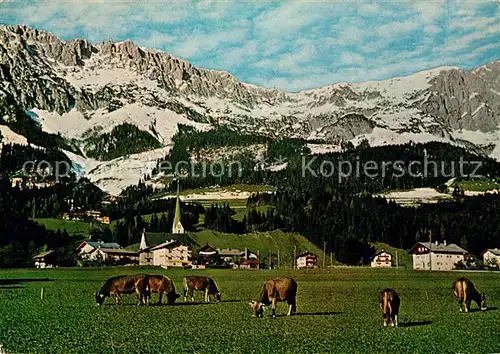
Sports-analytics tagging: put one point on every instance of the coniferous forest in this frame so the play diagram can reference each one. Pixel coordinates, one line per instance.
(324, 198)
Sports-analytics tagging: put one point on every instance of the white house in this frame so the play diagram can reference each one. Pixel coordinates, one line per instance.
(87, 249)
(492, 255)
(120, 255)
(172, 253)
(442, 255)
(45, 259)
(306, 260)
(382, 260)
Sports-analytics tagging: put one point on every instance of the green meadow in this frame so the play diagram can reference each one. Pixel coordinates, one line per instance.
(337, 312)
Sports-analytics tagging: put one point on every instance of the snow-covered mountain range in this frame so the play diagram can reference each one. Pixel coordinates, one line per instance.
(73, 87)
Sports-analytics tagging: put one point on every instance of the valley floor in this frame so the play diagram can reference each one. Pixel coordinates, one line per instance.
(338, 312)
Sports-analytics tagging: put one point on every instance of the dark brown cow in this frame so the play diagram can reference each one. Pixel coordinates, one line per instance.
(466, 292)
(205, 284)
(124, 284)
(160, 284)
(279, 289)
(389, 304)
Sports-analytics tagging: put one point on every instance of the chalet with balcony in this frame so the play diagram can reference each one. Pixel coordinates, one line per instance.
(306, 260)
(382, 259)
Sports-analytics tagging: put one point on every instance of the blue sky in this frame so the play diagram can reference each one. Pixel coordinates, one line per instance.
(290, 45)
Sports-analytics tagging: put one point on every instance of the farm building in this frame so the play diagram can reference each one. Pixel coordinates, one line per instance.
(235, 256)
(171, 253)
(381, 260)
(208, 255)
(442, 255)
(86, 248)
(249, 264)
(119, 255)
(45, 259)
(492, 256)
(306, 260)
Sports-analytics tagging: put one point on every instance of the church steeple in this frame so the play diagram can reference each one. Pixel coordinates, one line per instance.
(143, 244)
(177, 227)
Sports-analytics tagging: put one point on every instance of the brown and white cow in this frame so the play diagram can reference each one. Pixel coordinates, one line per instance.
(124, 284)
(274, 290)
(389, 304)
(465, 292)
(163, 285)
(198, 283)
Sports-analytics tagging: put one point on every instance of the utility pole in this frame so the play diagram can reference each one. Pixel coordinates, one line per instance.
(331, 259)
(324, 254)
(270, 256)
(278, 258)
(430, 251)
(294, 260)
(397, 260)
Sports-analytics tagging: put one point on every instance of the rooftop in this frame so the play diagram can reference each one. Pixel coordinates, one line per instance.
(495, 251)
(99, 244)
(441, 247)
(117, 251)
(44, 254)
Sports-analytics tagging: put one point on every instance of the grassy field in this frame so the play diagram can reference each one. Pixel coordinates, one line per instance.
(479, 185)
(71, 226)
(338, 312)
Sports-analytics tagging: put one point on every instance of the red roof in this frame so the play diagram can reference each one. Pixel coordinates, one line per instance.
(250, 261)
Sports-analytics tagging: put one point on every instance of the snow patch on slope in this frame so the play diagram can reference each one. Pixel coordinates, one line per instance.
(115, 175)
(381, 136)
(10, 137)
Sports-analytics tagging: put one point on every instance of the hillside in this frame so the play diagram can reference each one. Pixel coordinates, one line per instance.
(258, 241)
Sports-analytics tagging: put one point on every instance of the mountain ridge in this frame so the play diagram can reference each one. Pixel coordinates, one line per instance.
(73, 86)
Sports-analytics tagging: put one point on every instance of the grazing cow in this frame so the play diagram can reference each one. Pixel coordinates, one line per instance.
(389, 304)
(124, 284)
(205, 284)
(160, 284)
(274, 290)
(466, 292)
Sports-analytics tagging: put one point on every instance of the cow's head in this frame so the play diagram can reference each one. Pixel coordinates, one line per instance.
(99, 297)
(171, 297)
(257, 308)
(217, 296)
(483, 302)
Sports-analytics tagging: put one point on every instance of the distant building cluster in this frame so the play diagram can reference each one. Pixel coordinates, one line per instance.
(88, 215)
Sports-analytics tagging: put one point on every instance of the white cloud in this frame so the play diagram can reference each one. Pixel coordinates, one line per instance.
(432, 29)
(429, 9)
(393, 29)
(458, 44)
(157, 40)
(351, 58)
(290, 17)
(198, 44)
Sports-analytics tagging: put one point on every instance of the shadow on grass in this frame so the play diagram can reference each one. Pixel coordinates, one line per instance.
(191, 303)
(299, 314)
(330, 313)
(11, 287)
(23, 280)
(492, 308)
(415, 324)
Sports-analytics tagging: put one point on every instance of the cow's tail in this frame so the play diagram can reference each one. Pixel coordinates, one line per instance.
(386, 304)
